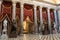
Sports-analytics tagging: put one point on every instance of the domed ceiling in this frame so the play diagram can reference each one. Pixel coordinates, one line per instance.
(53, 1)
(50, 1)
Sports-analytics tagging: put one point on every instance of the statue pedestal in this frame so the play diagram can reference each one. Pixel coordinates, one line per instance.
(4, 34)
(13, 35)
(4, 31)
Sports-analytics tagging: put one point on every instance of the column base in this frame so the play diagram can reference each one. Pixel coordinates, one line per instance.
(35, 33)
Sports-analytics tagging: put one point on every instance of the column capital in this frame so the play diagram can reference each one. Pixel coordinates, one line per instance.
(55, 9)
(41, 9)
(41, 6)
(21, 5)
(35, 7)
(14, 3)
(48, 8)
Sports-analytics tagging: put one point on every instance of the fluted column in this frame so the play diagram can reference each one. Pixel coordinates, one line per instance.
(41, 20)
(55, 15)
(58, 14)
(35, 20)
(21, 16)
(0, 5)
(0, 14)
(14, 11)
(49, 20)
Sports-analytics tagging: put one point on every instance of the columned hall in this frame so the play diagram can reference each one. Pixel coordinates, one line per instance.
(28, 17)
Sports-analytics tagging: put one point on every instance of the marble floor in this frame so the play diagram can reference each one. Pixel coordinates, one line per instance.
(35, 37)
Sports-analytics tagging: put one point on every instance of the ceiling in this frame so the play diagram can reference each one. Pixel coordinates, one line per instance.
(50, 1)
(53, 1)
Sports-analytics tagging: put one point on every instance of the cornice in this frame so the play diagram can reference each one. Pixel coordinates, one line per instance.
(40, 1)
(49, 3)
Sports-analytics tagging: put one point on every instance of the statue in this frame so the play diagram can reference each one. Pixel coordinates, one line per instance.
(5, 25)
(4, 33)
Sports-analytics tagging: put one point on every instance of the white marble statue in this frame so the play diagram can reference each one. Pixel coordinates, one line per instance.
(55, 31)
(54, 25)
(4, 33)
(5, 25)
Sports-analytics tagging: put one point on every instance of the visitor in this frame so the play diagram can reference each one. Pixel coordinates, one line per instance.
(54, 31)
(43, 29)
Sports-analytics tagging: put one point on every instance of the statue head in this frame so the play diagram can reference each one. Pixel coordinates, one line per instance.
(14, 21)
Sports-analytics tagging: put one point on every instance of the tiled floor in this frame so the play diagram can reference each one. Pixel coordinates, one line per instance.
(35, 37)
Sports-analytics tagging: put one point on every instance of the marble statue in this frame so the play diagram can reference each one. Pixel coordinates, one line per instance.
(5, 25)
(4, 33)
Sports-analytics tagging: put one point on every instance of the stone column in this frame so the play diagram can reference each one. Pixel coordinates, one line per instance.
(21, 16)
(14, 11)
(41, 20)
(35, 20)
(55, 15)
(0, 23)
(49, 22)
(58, 12)
(0, 5)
